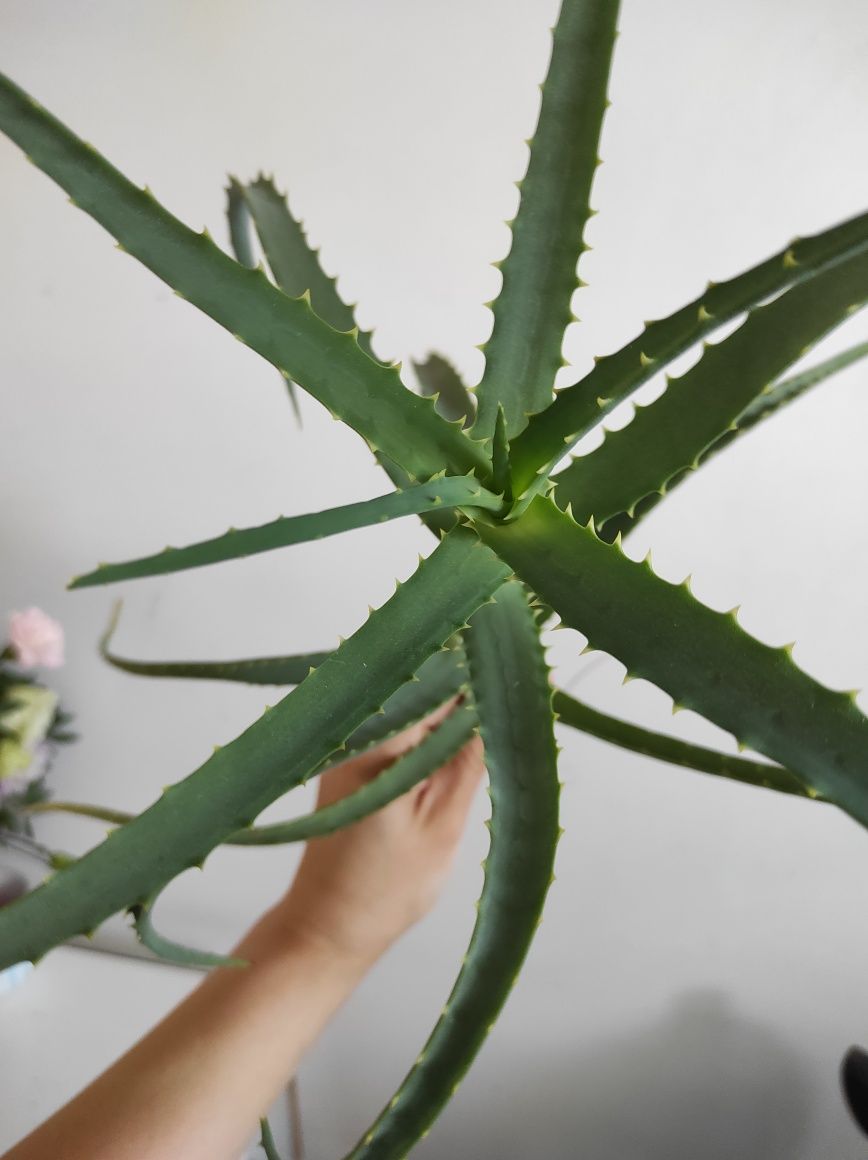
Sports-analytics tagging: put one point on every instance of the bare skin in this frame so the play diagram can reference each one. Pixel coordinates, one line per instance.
(196, 1085)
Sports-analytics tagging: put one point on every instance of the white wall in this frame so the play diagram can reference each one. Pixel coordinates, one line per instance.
(701, 966)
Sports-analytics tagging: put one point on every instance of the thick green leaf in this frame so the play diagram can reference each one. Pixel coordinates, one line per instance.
(174, 952)
(437, 522)
(330, 365)
(278, 670)
(568, 709)
(570, 712)
(670, 749)
(511, 687)
(82, 810)
(283, 239)
(533, 308)
(440, 745)
(241, 241)
(238, 217)
(294, 264)
(764, 407)
(500, 481)
(788, 390)
(701, 658)
(441, 677)
(278, 752)
(670, 435)
(439, 380)
(577, 409)
(451, 491)
(435, 750)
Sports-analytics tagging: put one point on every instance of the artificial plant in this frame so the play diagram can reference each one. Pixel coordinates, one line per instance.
(520, 539)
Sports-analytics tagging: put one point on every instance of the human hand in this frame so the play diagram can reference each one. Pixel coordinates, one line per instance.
(358, 889)
(230, 1046)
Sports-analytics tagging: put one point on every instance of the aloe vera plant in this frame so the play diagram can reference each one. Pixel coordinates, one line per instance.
(521, 539)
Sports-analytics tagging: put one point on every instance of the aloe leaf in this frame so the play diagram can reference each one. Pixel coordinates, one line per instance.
(277, 670)
(441, 677)
(276, 753)
(670, 435)
(569, 711)
(533, 309)
(500, 480)
(438, 680)
(578, 408)
(293, 262)
(511, 688)
(674, 751)
(764, 407)
(238, 219)
(435, 750)
(174, 952)
(788, 390)
(82, 810)
(330, 365)
(439, 380)
(437, 522)
(241, 240)
(266, 1141)
(703, 659)
(451, 491)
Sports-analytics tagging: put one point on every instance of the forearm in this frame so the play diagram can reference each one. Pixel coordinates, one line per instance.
(197, 1084)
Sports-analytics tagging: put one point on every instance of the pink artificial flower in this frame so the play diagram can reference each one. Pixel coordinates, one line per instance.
(36, 639)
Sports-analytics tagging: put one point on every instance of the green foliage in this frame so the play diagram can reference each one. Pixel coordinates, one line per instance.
(328, 363)
(468, 622)
(279, 751)
(171, 951)
(703, 659)
(510, 683)
(669, 437)
(440, 381)
(579, 408)
(539, 273)
(764, 406)
(454, 491)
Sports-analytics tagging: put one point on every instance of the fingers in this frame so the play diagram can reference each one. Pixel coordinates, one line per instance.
(350, 775)
(444, 799)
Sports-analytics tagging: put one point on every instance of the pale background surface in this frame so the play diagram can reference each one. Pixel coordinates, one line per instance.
(702, 964)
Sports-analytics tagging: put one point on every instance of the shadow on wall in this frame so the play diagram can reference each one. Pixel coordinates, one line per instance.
(703, 1082)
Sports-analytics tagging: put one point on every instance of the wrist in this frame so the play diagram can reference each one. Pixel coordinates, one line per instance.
(284, 934)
